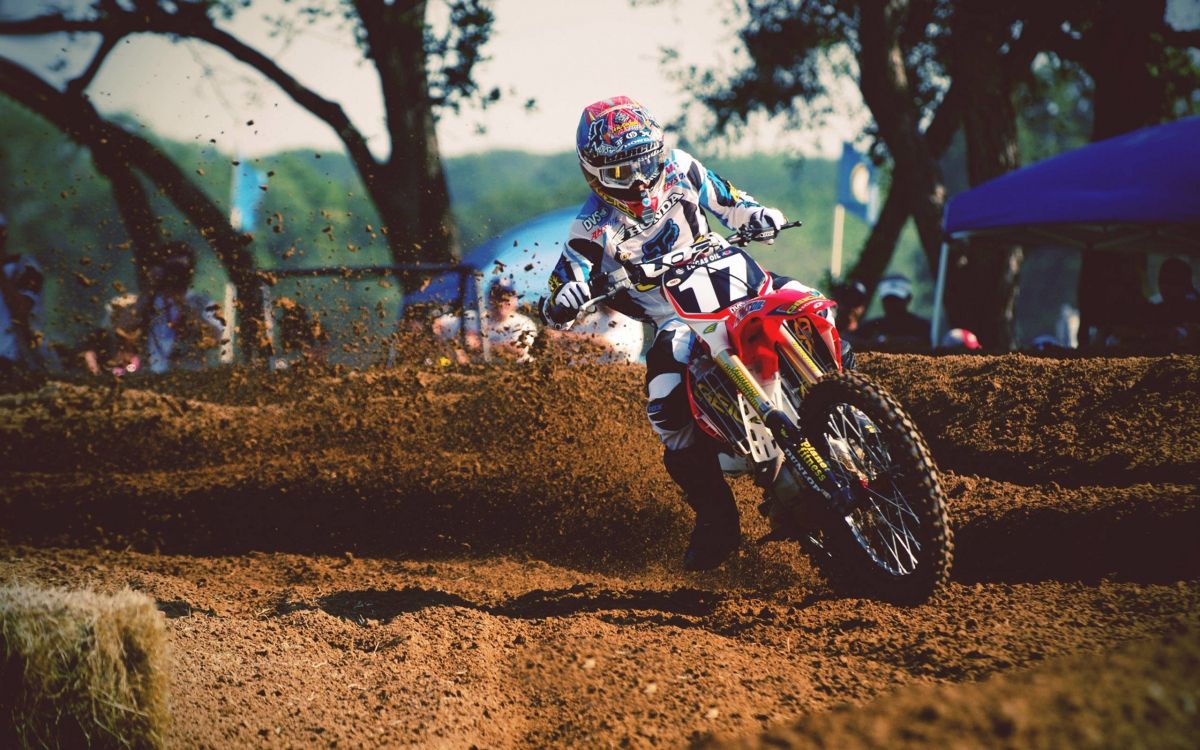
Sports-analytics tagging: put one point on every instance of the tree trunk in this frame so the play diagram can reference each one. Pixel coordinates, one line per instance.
(982, 283)
(1127, 96)
(410, 191)
(880, 244)
(887, 93)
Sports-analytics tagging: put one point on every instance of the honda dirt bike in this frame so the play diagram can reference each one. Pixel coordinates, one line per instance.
(844, 470)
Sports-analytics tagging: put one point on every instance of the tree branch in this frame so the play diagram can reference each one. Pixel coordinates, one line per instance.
(396, 45)
(191, 22)
(329, 111)
(52, 23)
(80, 84)
(1178, 38)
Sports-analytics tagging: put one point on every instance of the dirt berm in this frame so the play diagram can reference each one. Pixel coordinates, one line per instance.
(559, 461)
(490, 557)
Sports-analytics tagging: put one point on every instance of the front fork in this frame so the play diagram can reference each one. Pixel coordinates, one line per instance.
(799, 451)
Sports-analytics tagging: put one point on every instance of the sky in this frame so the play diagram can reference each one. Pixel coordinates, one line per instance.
(564, 54)
(552, 51)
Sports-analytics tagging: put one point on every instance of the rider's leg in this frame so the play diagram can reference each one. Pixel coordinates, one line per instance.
(690, 456)
(717, 533)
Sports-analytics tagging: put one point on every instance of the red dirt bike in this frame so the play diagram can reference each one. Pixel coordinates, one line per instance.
(843, 468)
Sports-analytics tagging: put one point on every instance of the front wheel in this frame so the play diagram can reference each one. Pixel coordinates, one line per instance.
(893, 541)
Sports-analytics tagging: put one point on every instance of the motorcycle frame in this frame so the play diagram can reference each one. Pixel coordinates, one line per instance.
(740, 340)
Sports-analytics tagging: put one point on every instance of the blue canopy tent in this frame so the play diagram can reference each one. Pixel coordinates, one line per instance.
(1138, 191)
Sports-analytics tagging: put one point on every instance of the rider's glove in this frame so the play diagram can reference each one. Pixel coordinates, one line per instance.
(567, 301)
(572, 296)
(764, 224)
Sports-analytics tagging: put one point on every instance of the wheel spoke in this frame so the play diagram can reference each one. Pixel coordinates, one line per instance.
(901, 507)
(898, 538)
(881, 457)
(880, 525)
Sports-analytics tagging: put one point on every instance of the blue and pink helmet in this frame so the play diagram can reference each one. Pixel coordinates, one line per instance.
(620, 148)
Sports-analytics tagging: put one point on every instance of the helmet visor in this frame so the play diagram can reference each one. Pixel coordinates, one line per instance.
(644, 169)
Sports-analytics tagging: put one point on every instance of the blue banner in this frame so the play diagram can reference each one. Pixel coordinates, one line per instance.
(247, 198)
(858, 190)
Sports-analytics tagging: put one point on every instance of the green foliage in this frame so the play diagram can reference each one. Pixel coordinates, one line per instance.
(1055, 108)
(457, 52)
(493, 191)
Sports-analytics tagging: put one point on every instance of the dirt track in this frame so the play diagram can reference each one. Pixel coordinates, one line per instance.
(390, 558)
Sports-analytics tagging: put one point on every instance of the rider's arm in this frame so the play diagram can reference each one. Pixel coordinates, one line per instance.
(732, 206)
(581, 253)
(571, 267)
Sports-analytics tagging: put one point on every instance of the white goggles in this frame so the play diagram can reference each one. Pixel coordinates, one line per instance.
(644, 169)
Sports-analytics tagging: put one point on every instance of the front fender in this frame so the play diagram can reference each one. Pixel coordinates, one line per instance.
(754, 329)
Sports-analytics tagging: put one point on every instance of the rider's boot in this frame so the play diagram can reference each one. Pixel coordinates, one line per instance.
(697, 471)
(848, 360)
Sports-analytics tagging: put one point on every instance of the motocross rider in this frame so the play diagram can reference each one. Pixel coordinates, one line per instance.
(646, 200)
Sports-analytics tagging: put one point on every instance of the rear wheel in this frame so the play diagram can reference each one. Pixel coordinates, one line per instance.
(893, 541)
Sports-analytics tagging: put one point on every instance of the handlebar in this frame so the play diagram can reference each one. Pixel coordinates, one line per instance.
(617, 281)
(743, 236)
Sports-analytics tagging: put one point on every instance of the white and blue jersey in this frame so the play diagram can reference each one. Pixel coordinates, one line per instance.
(674, 219)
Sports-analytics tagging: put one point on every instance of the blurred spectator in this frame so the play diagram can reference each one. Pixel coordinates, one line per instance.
(509, 333)
(898, 325)
(114, 348)
(180, 327)
(852, 298)
(1113, 312)
(21, 282)
(959, 340)
(1175, 319)
(1046, 344)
